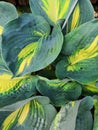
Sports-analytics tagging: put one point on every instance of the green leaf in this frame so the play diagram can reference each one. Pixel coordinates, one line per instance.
(36, 114)
(59, 91)
(7, 13)
(73, 116)
(83, 12)
(81, 55)
(51, 10)
(32, 42)
(95, 113)
(15, 89)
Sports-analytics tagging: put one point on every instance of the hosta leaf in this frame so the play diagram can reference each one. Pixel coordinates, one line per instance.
(3, 115)
(81, 54)
(8, 109)
(32, 42)
(51, 10)
(36, 114)
(90, 89)
(3, 66)
(70, 116)
(6, 14)
(82, 13)
(84, 120)
(95, 113)
(59, 91)
(15, 89)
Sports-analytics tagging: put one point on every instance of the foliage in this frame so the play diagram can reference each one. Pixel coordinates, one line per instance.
(49, 66)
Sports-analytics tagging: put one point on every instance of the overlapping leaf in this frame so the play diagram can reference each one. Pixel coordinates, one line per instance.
(36, 114)
(81, 54)
(6, 15)
(3, 66)
(74, 116)
(59, 91)
(28, 44)
(83, 12)
(51, 10)
(15, 89)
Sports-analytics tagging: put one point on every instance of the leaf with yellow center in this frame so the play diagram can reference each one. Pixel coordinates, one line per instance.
(52, 10)
(37, 114)
(26, 55)
(83, 54)
(8, 83)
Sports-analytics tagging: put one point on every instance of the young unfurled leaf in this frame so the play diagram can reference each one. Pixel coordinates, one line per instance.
(15, 89)
(81, 54)
(28, 44)
(36, 114)
(59, 91)
(51, 10)
(75, 115)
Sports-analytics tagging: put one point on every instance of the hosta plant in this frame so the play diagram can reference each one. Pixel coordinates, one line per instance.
(49, 66)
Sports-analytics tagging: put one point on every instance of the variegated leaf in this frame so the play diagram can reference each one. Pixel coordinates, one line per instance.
(90, 89)
(28, 41)
(51, 10)
(75, 115)
(36, 114)
(81, 54)
(15, 89)
(83, 12)
(59, 91)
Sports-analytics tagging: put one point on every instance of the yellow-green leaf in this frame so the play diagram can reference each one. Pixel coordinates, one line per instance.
(52, 10)
(80, 50)
(86, 53)
(33, 42)
(17, 88)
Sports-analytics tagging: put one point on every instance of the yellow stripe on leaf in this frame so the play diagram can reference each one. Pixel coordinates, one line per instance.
(84, 54)
(1, 30)
(8, 83)
(64, 9)
(26, 55)
(16, 118)
(24, 114)
(56, 9)
(51, 7)
(75, 17)
(10, 120)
